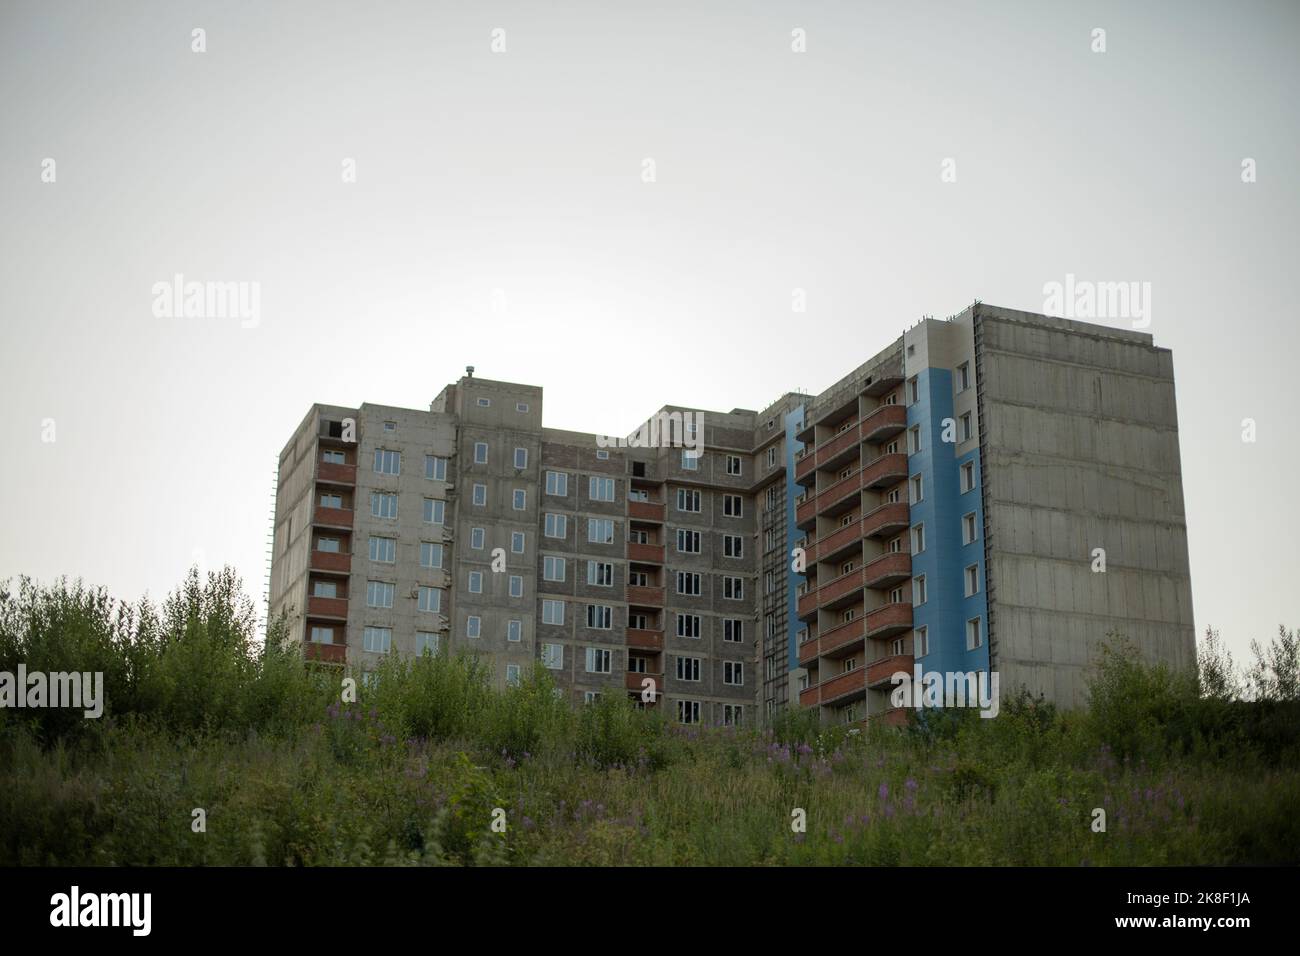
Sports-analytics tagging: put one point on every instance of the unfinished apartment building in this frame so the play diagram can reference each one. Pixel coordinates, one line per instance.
(941, 505)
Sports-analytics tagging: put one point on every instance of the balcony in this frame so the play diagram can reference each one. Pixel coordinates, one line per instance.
(645, 553)
(879, 673)
(888, 569)
(651, 597)
(883, 422)
(807, 603)
(336, 474)
(333, 517)
(843, 687)
(331, 561)
(839, 640)
(645, 640)
(805, 512)
(336, 608)
(841, 590)
(834, 544)
(646, 510)
(886, 520)
(325, 653)
(885, 470)
(835, 449)
(632, 681)
(839, 497)
(809, 696)
(889, 619)
(809, 651)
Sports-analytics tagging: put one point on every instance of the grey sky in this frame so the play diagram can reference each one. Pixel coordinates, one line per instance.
(522, 171)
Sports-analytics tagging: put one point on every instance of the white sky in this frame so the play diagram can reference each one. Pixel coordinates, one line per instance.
(521, 172)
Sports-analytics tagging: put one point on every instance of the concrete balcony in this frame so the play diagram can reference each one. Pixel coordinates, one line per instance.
(335, 474)
(842, 639)
(646, 510)
(879, 673)
(633, 681)
(888, 569)
(844, 687)
(832, 545)
(887, 520)
(333, 608)
(644, 640)
(836, 449)
(325, 653)
(809, 651)
(333, 517)
(883, 422)
(889, 619)
(810, 696)
(805, 512)
(885, 470)
(333, 562)
(645, 553)
(840, 591)
(839, 497)
(650, 597)
(806, 606)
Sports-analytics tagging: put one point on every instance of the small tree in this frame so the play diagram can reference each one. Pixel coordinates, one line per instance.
(1217, 671)
(1275, 674)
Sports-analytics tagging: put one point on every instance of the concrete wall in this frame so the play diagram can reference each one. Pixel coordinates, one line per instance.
(1081, 452)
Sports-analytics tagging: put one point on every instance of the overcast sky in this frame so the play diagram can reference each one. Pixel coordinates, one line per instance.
(524, 171)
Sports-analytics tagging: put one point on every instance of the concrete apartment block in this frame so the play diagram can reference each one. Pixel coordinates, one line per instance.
(939, 506)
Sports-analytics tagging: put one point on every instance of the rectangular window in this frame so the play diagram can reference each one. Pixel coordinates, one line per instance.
(328, 500)
(387, 462)
(521, 458)
(972, 580)
(601, 489)
(732, 715)
(963, 376)
(598, 660)
(521, 408)
(967, 477)
(600, 530)
(967, 431)
(733, 465)
(688, 542)
(383, 506)
(480, 452)
(435, 511)
(322, 635)
(426, 642)
(514, 631)
(690, 459)
(600, 574)
(476, 582)
(430, 600)
(518, 541)
(557, 526)
(480, 494)
(378, 640)
(557, 483)
(921, 642)
(552, 612)
(485, 403)
(602, 456)
(512, 675)
(733, 630)
(688, 625)
(688, 668)
(688, 582)
(771, 457)
(918, 591)
(731, 505)
(383, 550)
(688, 711)
(477, 538)
(553, 656)
(435, 468)
(473, 626)
(430, 554)
(600, 616)
(329, 545)
(516, 586)
(918, 489)
(733, 588)
(333, 457)
(733, 673)
(325, 589)
(968, 528)
(520, 499)
(918, 539)
(733, 546)
(974, 636)
(913, 391)
(914, 439)
(553, 568)
(688, 499)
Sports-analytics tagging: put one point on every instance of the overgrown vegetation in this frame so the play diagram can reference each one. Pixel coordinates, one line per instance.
(200, 716)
